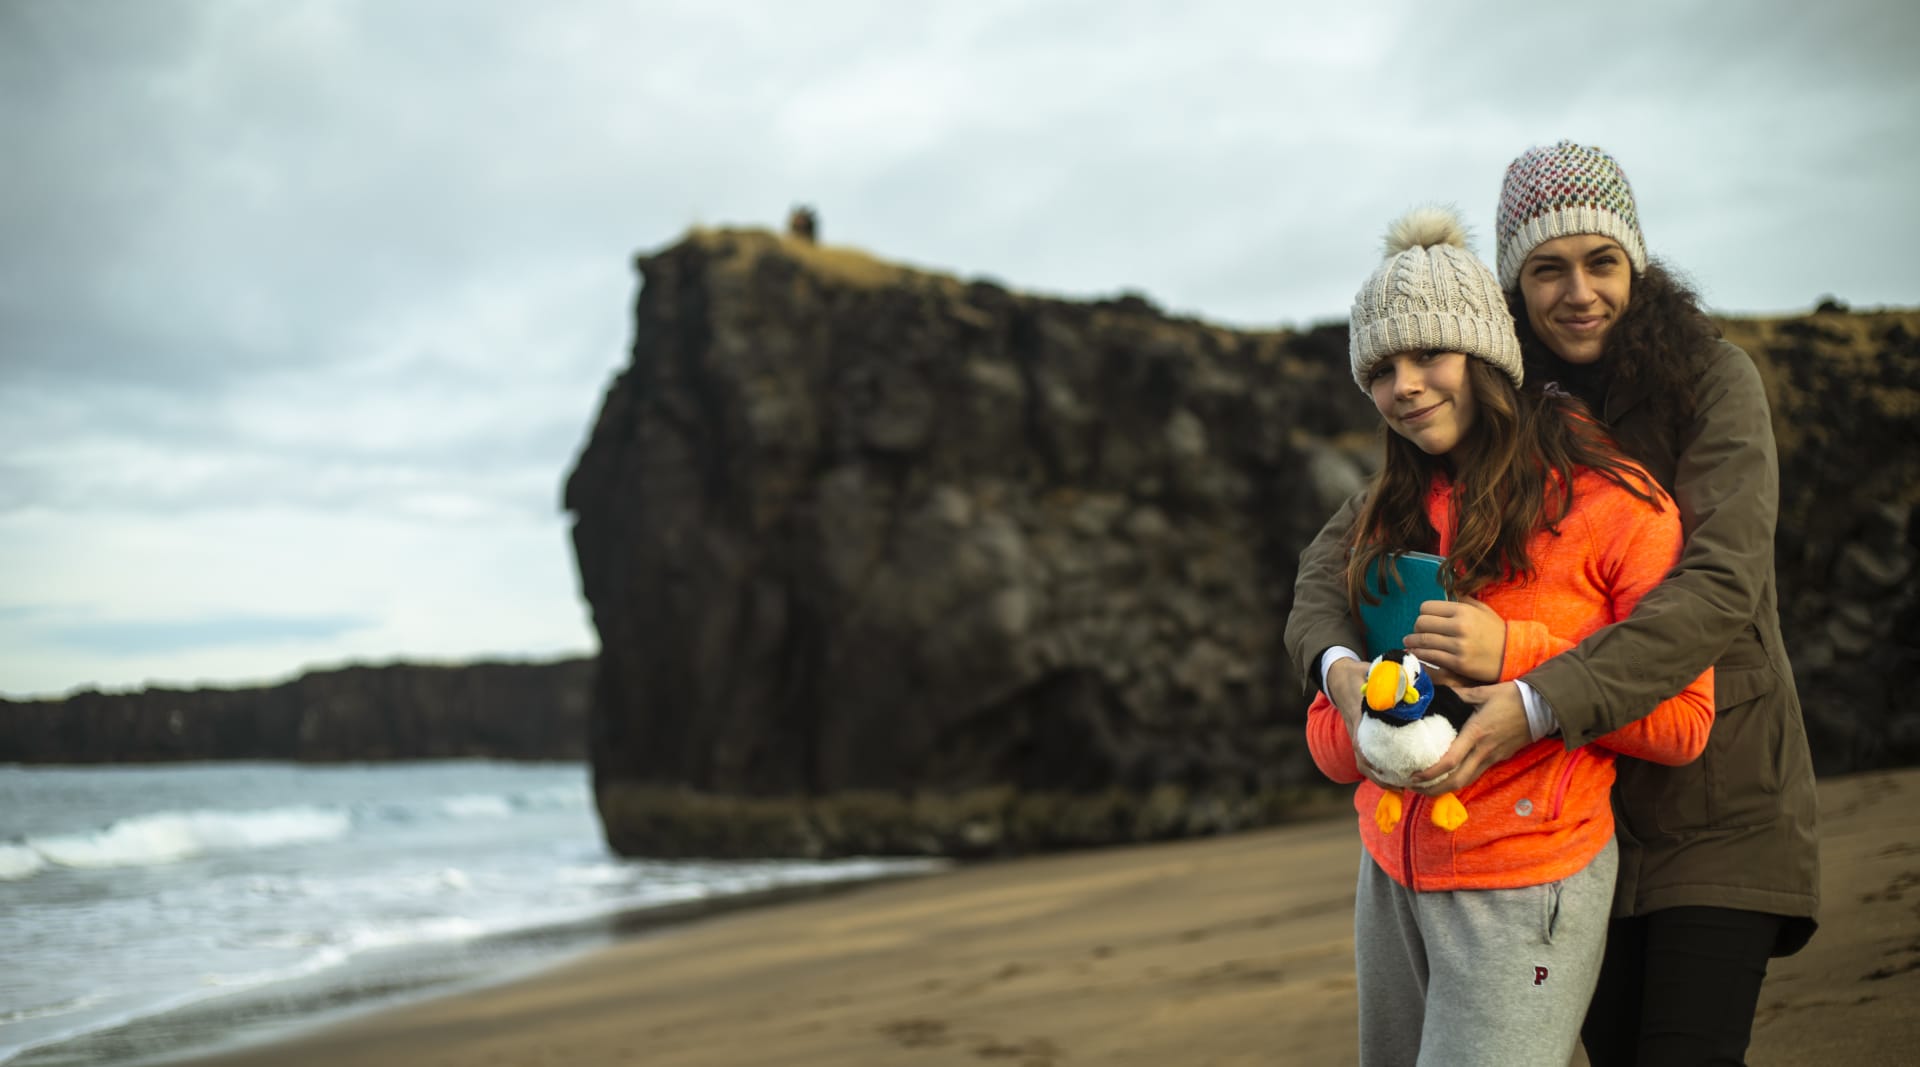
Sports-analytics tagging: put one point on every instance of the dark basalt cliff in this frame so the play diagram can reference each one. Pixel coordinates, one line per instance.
(1846, 413)
(883, 561)
(403, 711)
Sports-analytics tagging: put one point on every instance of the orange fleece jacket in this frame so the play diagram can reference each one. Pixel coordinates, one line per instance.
(1543, 813)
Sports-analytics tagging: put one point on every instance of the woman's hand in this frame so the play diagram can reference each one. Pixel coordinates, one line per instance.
(1346, 685)
(1463, 641)
(1496, 729)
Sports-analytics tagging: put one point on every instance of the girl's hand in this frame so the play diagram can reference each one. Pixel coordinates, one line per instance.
(1463, 638)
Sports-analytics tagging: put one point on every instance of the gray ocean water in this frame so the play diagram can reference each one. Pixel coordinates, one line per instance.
(148, 910)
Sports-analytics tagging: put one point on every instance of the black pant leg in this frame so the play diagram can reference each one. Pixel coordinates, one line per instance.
(1611, 1033)
(1702, 972)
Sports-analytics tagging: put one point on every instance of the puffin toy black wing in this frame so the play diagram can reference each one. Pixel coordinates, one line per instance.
(1407, 725)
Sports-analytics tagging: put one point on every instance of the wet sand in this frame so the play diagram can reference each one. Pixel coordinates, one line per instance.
(1228, 951)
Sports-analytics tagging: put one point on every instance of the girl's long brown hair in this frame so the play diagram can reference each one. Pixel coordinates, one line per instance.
(1512, 477)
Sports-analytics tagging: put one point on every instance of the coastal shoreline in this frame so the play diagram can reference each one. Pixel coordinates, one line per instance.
(398, 978)
(1231, 950)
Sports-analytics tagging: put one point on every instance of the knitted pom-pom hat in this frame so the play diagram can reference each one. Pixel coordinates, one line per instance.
(1431, 294)
(1558, 192)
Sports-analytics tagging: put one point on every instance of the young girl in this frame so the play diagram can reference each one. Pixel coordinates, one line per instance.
(1482, 944)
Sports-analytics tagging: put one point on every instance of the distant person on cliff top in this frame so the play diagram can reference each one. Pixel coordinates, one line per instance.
(1719, 863)
(1478, 933)
(804, 222)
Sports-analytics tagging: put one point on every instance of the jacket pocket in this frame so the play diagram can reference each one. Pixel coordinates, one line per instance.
(1734, 783)
(1735, 686)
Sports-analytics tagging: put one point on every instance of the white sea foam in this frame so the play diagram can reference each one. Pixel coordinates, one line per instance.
(477, 806)
(391, 861)
(597, 874)
(331, 956)
(39, 1011)
(370, 936)
(167, 837)
(18, 862)
(417, 886)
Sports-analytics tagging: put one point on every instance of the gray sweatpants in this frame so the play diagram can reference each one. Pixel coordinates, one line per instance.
(1489, 976)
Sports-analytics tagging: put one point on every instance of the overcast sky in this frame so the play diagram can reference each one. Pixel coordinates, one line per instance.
(307, 307)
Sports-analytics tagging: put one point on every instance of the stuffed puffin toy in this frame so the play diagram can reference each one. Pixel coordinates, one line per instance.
(1406, 726)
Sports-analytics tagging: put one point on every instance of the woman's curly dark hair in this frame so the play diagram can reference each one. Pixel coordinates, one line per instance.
(1653, 350)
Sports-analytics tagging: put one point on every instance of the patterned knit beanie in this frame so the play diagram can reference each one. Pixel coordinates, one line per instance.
(1558, 192)
(1431, 294)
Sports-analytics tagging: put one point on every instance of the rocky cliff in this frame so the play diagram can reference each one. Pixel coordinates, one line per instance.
(1846, 413)
(403, 711)
(885, 561)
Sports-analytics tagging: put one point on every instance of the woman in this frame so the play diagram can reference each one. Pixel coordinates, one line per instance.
(1481, 941)
(1719, 865)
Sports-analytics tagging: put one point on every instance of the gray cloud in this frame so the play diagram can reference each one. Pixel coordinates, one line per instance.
(372, 258)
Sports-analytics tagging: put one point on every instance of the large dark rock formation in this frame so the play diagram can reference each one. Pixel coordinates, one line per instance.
(403, 711)
(1846, 396)
(883, 561)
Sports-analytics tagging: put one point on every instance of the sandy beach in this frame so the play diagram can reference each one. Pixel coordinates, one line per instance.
(1227, 951)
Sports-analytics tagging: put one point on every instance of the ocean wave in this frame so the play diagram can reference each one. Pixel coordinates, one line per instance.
(478, 806)
(168, 837)
(491, 805)
(596, 874)
(556, 797)
(19, 862)
(366, 937)
(326, 957)
(40, 1011)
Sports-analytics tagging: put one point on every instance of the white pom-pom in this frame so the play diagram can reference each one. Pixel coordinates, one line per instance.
(1425, 227)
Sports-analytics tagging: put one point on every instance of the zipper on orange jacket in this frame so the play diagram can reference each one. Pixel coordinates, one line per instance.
(1566, 779)
(1406, 843)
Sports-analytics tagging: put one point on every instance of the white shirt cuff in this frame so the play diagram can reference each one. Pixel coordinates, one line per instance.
(1332, 656)
(1541, 721)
